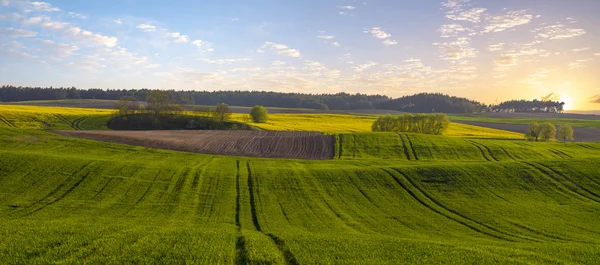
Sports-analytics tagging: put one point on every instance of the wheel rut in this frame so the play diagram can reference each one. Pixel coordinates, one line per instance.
(7, 122)
(241, 250)
(406, 152)
(414, 191)
(412, 147)
(574, 187)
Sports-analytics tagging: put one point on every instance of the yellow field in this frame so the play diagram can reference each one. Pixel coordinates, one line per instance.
(343, 123)
(36, 117)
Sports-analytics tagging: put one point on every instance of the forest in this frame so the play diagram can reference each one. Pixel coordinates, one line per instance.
(418, 103)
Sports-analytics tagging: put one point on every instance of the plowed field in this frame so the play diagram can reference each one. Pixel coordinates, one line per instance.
(272, 144)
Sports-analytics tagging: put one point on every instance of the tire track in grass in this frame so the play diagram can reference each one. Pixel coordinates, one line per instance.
(552, 173)
(252, 199)
(404, 147)
(413, 190)
(482, 148)
(62, 196)
(237, 196)
(77, 123)
(285, 251)
(7, 122)
(65, 121)
(560, 154)
(412, 147)
(241, 253)
(508, 154)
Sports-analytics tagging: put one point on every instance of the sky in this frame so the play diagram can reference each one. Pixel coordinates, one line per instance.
(490, 51)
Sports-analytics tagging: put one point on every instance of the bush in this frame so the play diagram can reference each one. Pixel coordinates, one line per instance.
(149, 121)
(565, 132)
(421, 123)
(221, 112)
(547, 132)
(259, 114)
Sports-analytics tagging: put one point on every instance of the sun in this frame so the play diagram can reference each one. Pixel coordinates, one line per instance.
(568, 100)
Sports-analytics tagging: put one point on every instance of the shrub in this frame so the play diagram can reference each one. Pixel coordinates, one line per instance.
(547, 132)
(565, 132)
(222, 112)
(420, 123)
(259, 114)
(534, 132)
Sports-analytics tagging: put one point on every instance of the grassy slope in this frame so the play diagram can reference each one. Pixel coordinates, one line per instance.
(69, 200)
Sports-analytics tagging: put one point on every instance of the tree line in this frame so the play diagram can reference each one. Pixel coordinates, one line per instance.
(418, 103)
(420, 123)
(546, 132)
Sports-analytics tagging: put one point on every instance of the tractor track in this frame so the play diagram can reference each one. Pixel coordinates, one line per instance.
(461, 219)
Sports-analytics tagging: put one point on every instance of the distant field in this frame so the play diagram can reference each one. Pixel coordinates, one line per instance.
(388, 198)
(575, 120)
(61, 118)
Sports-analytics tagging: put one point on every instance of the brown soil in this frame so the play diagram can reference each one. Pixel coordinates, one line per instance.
(271, 144)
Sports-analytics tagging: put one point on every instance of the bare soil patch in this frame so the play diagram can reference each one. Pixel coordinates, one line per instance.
(580, 134)
(271, 144)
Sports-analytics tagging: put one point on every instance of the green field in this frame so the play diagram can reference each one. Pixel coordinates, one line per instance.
(385, 199)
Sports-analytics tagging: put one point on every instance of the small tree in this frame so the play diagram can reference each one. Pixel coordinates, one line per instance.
(547, 132)
(259, 114)
(534, 132)
(158, 102)
(126, 106)
(565, 132)
(222, 112)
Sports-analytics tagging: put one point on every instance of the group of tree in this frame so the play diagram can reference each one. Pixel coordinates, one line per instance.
(418, 103)
(547, 132)
(420, 123)
(529, 106)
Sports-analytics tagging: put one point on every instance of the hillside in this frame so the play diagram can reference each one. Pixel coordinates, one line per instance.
(114, 203)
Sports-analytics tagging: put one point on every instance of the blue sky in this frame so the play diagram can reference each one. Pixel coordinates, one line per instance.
(486, 50)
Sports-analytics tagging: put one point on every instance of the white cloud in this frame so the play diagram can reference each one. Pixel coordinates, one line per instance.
(581, 49)
(203, 45)
(32, 20)
(347, 7)
(282, 49)
(378, 33)
(362, 67)
(510, 20)
(16, 33)
(457, 50)
(76, 15)
(146, 27)
(326, 37)
(90, 37)
(336, 44)
(472, 15)
(558, 32)
(53, 25)
(453, 30)
(178, 38)
(118, 21)
(389, 42)
(224, 61)
(495, 47)
(52, 48)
